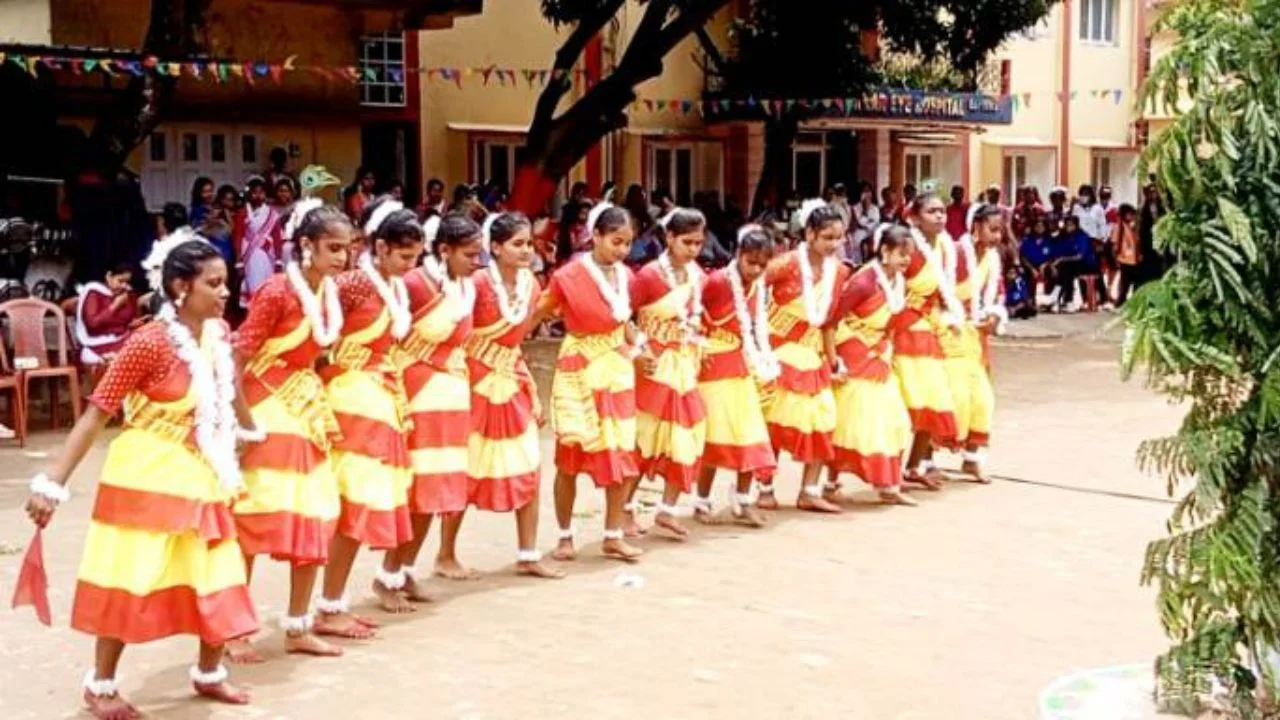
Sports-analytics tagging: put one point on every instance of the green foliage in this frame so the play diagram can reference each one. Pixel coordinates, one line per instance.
(1208, 336)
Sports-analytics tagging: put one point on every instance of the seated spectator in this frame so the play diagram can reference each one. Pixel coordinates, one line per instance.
(105, 315)
(1077, 258)
(1019, 297)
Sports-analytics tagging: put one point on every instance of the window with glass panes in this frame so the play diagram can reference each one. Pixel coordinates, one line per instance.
(1098, 19)
(384, 56)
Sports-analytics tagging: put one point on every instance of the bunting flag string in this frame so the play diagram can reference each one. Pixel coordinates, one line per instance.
(252, 72)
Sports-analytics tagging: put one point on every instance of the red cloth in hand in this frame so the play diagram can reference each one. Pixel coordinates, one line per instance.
(33, 583)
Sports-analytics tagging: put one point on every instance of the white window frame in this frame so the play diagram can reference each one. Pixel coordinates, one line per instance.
(168, 178)
(925, 166)
(803, 145)
(1101, 170)
(1099, 22)
(1013, 173)
(669, 183)
(480, 146)
(375, 55)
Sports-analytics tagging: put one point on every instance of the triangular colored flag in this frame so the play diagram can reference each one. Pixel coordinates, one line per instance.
(261, 69)
(1026, 100)
(397, 75)
(150, 62)
(370, 74)
(77, 65)
(18, 60)
(1116, 94)
(277, 72)
(542, 76)
(662, 105)
(51, 63)
(234, 69)
(791, 104)
(778, 105)
(726, 105)
(33, 583)
(529, 76)
(687, 106)
(648, 105)
(1015, 102)
(223, 71)
(1073, 95)
(486, 73)
(31, 65)
(751, 101)
(3, 57)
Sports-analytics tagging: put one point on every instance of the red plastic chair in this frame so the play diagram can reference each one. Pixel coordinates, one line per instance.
(9, 383)
(27, 332)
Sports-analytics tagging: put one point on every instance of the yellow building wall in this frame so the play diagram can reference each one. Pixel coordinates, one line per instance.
(520, 37)
(25, 22)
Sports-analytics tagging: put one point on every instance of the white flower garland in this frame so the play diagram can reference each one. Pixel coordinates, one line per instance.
(946, 285)
(513, 314)
(460, 292)
(896, 292)
(817, 300)
(990, 302)
(971, 261)
(395, 296)
(616, 295)
(691, 313)
(214, 387)
(755, 332)
(324, 329)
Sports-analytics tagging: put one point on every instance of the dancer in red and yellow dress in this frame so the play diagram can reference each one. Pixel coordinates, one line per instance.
(291, 503)
(434, 358)
(918, 359)
(874, 429)
(505, 458)
(671, 429)
(362, 379)
(739, 361)
(803, 286)
(161, 556)
(593, 398)
(978, 288)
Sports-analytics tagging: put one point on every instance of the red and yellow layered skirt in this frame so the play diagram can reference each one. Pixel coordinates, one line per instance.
(874, 429)
(439, 392)
(292, 505)
(971, 388)
(802, 415)
(737, 436)
(671, 429)
(161, 556)
(593, 408)
(918, 363)
(504, 457)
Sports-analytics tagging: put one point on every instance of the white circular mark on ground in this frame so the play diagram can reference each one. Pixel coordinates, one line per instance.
(1121, 692)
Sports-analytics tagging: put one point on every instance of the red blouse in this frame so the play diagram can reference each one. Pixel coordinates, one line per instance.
(276, 311)
(582, 305)
(149, 363)
(487, 312)
(786, 281)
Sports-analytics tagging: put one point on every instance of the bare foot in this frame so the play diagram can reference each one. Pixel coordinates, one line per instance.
(812, 504)
(343, 625)
(538, 570)
(631, 527)
(668, 522)
(392, 601)
(749, 516)
(620, 550)
(241, 652)
(702, 517)
(310, 644)
(451, 569)
(223, 692)
(110, 707)
(833, 495)
(936, 475)
(895, 497)
(564, 552)
(924, 480)
(414, 592)
(974, 470)
(767, 500)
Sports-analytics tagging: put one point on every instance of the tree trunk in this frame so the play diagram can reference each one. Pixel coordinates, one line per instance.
(775, 174)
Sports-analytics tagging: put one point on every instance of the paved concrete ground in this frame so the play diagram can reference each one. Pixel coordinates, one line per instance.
(963, 608)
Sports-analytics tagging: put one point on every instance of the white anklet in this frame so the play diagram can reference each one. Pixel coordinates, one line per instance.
(744, 499)
(391, 580)
(214, 677)
(764, 490)
(813, 491)
(665, 509)
(406, 571)
(297, 625)
(528, 556)
(613, 534)
(977, 457)
(566, 533)
(924, 467)
(333, 607)
(100, 688)
(703, 505)
(632, 507)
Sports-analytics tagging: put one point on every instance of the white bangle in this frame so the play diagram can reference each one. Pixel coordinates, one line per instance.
(638, 345)
(53, 492)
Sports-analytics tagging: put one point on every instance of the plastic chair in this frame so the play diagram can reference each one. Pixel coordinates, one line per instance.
(27, 330)
(9, 382)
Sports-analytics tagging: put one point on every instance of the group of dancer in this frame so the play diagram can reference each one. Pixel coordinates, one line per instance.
(370, 391)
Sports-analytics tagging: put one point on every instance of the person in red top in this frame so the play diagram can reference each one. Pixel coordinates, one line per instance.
(105, 315)
(957, 211)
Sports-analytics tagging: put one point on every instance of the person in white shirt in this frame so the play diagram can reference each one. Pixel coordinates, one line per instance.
(1093, 221)
(866, 218)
